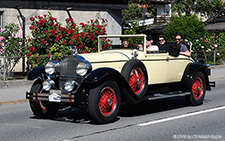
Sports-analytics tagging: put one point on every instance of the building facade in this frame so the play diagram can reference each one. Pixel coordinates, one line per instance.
(81, 11)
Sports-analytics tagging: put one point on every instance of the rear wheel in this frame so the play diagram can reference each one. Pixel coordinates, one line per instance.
(104, 102)
(135, 73)
(197, 90)
(42, 109)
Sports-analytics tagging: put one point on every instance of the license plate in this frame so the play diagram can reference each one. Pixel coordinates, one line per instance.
(54, 98)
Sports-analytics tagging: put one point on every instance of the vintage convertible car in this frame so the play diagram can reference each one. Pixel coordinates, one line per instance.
(98, 82)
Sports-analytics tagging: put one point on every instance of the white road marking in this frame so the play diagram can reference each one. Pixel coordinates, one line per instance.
(181, 116)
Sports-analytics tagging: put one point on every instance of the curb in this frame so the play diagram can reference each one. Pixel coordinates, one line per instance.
(13, 102)
(216, 77)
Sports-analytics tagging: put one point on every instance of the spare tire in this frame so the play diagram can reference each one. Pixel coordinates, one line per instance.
(135, 73)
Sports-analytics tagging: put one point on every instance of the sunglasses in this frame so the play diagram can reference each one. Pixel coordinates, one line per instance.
(161, 40)
(177, 39)
(125, 42)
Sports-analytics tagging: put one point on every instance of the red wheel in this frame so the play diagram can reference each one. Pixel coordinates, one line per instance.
(136, 80)
(135, 73)
(197, 88)
(107, 101)
(104, 102)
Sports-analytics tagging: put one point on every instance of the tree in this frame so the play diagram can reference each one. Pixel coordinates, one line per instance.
(208, 8)
(135, 12)
(190, 26)
(183, 6)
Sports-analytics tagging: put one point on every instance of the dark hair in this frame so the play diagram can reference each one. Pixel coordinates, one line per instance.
(162, 36)
(179, 34)
(149, 37)
(123, 39)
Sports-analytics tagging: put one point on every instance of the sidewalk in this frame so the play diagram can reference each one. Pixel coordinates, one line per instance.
(14, 91)
(217, 72)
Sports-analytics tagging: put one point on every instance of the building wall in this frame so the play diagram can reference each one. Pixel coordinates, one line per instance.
(114, 17)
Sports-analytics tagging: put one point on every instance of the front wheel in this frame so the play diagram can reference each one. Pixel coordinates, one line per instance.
(42, 109)
(104, 102)
(198, 89)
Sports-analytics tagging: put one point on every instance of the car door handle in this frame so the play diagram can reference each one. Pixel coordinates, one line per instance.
(167, 58)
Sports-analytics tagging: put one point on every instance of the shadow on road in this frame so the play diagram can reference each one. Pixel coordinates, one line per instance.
(152, 106)
(75, 115)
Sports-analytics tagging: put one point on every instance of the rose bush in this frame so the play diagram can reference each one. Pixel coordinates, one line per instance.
(10, 46)
(11, 41)
(52, 40)
(209, 44)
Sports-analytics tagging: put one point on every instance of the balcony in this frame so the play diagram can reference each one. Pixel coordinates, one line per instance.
(161, 1)
(161, 20)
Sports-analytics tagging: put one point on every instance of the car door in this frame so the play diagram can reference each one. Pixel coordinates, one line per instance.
(156, 65)
(176, 67)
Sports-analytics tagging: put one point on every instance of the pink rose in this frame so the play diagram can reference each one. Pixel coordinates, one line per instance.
(19, 35)
(1, 38)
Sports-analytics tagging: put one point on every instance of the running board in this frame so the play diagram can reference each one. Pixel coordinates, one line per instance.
(166, 95)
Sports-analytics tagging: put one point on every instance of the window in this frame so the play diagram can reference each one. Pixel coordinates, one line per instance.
(1, 19)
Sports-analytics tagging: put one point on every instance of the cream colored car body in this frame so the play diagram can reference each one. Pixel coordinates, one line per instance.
(161, 67)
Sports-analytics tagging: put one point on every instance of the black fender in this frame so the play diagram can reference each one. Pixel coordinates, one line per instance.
(190, 72)
(37, 72)
(101, 74)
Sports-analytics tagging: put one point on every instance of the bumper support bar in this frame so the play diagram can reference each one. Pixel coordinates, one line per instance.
(45, 97)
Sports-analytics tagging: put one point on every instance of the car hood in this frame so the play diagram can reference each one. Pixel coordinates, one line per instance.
(110, 55)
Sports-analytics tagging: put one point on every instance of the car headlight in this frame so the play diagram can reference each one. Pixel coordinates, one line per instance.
(70, 85)
(81, 69)
(47, 84)
(50, 67)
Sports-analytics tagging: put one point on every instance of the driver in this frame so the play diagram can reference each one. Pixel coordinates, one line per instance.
(125, 43)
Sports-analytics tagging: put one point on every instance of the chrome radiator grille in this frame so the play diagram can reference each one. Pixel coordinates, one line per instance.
(68, 69)
(68, 66)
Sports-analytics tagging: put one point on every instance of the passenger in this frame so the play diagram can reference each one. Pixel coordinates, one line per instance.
(149, 46)
(162, 43)
(183, 48)
(125, 43)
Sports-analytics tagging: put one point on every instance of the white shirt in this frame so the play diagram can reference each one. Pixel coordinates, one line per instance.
(153, 48)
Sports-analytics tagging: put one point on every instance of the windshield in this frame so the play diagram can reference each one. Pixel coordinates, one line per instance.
(111, 42)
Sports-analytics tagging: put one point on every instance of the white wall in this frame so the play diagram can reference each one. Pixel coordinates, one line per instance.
(113, 17)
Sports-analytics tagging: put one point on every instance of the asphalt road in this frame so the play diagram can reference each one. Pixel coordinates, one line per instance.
(163, 120)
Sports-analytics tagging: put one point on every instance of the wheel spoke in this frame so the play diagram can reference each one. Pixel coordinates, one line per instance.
(107, 101)
(136, 80)
(197, 88)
